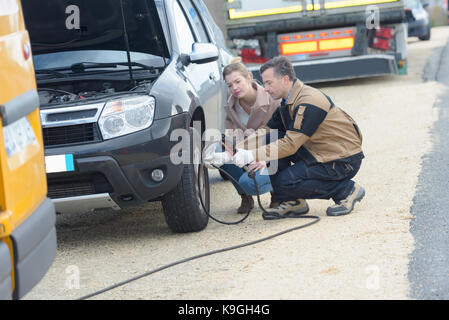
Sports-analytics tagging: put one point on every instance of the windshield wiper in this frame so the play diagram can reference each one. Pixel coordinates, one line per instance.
(80, 67)
(83, 66)
(51, 71)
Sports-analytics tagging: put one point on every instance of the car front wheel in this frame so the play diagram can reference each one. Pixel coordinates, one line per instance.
(426, 36)
(182, 206)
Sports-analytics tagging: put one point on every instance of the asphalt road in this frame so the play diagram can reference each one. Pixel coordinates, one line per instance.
(429, 262)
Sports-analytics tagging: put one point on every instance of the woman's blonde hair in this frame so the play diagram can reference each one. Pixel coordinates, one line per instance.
(237, 65)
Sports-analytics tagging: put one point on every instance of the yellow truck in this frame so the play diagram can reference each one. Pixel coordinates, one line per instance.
(27, 216)
(325, 39)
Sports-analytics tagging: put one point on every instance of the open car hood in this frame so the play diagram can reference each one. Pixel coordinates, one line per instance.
(71, 25)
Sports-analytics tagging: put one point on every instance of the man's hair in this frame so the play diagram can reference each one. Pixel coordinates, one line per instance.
(281, 66)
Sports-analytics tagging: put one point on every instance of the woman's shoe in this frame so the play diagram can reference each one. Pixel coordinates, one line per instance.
(246, 205)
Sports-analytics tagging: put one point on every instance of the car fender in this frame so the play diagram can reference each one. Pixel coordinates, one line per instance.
(174, 94)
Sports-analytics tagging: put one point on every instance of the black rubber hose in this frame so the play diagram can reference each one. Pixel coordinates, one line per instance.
(315, 220)
(252, 175)
(230, 178)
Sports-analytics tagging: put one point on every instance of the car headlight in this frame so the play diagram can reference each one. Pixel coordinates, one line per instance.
(127, 115)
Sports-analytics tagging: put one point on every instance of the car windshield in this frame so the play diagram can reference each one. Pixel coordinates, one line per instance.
(66, 32)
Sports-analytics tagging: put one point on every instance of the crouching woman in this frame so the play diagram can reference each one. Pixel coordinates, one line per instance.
(248, 108)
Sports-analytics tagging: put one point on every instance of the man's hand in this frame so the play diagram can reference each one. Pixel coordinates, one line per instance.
(243, 157)
(256, 166)
(211, 157)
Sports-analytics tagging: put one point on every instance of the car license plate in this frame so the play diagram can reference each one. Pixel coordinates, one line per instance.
(17, 136)
(59, 163)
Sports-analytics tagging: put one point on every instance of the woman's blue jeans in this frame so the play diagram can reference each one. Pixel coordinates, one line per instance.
(247, 183)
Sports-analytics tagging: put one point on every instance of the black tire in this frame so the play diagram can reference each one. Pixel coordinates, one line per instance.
(425, 37)
(182, 206)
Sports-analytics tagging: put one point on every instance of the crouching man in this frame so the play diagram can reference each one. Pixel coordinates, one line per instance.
(318, 150)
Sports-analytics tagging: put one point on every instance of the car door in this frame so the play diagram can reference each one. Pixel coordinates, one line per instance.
(205, 78)
(225, 56)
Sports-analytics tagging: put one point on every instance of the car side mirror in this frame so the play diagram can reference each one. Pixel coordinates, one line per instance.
(201, 53)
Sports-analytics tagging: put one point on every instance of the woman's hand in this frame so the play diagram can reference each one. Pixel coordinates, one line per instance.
(228, 147)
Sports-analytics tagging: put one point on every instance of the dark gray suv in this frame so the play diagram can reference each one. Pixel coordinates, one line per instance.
(115, 79)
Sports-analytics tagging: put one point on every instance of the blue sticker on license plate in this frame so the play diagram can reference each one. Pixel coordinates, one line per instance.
(59, 163)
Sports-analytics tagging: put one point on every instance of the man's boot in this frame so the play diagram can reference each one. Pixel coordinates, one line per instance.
(246, 205)
(285, 209)
(345, 206)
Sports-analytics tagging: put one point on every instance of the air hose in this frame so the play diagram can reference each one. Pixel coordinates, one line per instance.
(266, 215)
(315, 219)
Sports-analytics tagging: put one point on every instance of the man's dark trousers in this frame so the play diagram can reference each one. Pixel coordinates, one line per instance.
(330, 180)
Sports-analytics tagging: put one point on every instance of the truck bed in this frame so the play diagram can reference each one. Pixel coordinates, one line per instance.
(339, 68)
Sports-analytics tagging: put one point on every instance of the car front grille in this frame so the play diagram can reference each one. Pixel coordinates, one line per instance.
(75, 186)
(74, 189)
(73, 134)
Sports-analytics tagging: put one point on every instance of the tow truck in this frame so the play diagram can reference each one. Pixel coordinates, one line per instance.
(28, 239)
(326, 40)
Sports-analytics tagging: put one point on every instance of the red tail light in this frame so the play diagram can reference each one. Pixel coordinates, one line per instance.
(26, 50)
(251, 56)
(382, 44)
(386, 33)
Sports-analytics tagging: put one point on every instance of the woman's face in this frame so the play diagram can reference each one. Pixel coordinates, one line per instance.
(238, 85)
